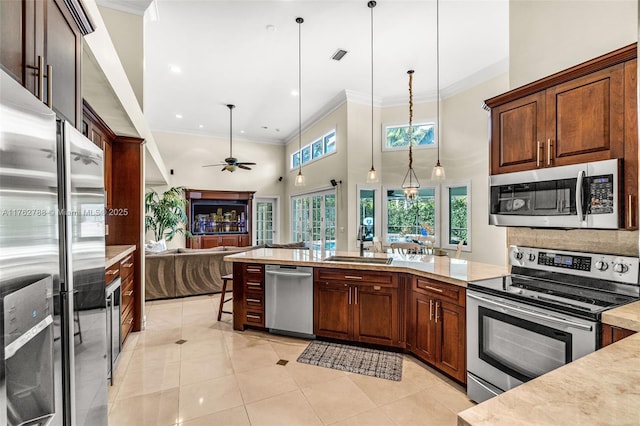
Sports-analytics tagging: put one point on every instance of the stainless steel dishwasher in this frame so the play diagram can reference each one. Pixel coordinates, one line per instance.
(289, 300)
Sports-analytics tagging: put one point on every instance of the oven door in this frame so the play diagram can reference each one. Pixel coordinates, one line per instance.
(511, 342)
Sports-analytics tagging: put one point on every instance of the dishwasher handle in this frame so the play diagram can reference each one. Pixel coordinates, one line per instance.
(289, 274)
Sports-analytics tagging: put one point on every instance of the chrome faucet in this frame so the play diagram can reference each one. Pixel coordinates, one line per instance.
(360, 237)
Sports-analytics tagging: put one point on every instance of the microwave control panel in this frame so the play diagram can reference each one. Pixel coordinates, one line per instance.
(601, 194)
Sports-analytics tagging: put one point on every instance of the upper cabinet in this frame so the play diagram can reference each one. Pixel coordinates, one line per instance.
(41, 47)
(571, 117)
(583, 114)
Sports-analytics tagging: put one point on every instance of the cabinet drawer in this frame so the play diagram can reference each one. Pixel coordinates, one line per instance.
(254, 318)
(254, 302)
(127, 293)
(127, 323)
(254, 272)
(111, 273)
(126, 266)
(356, 276)
(439, 289)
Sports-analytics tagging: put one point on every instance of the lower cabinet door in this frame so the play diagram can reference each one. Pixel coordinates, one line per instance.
(375, 311)
(424, 327)
(331, 310)
(451, 358)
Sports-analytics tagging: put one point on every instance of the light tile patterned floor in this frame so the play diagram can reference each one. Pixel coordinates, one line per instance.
(223, 377)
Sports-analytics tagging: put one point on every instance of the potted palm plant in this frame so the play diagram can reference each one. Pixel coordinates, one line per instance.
(165, 214)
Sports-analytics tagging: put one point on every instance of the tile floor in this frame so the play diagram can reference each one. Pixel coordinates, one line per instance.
(221, 377)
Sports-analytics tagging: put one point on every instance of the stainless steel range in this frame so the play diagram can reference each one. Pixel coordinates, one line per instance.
(542, 316)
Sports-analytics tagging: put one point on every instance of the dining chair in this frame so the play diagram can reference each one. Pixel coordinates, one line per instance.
(427, 242)
(406, 248)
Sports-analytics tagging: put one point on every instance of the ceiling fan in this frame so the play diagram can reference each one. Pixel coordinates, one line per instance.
(231, 163)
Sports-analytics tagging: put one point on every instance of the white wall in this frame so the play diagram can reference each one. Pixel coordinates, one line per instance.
(549, 36)
(465, 155)
(127, 34)
(319, 173)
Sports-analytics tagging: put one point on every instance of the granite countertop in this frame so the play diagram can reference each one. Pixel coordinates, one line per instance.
(627, 316)
(443, 268)
(600, 388)
(115, 254)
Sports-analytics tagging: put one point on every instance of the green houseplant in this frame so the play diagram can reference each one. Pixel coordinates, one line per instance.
(165, 214)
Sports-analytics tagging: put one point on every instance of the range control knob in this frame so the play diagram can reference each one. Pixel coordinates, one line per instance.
(601, 265)
(518, 255)
(620, 268)
(532, 257)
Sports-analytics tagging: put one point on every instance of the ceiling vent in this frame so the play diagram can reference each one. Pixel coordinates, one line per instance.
(339, 54)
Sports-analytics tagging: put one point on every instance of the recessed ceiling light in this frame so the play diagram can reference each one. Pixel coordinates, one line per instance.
(175, 69)
(178, 115)
(271, 28)
(201, 126)
(241, 131)
(294, 93)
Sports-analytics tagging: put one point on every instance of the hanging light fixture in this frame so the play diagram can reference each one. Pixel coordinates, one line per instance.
(300, 177)
(372, 176)
(410, 184)
(438, 171)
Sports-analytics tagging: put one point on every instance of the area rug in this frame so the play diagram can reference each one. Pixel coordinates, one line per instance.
(370, 362)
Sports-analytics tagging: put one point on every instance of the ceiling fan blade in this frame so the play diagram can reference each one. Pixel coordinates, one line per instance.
(215, 165)
(247, 163)
(242, 166)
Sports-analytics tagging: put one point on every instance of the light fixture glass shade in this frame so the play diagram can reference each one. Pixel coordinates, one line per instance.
(299, 179)
(410, 185)
(438, 172)
(372, 176)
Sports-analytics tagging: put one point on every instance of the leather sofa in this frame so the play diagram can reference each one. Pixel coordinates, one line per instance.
(189, 272)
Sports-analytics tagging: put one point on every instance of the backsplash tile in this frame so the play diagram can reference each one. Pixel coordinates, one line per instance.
(589, 240)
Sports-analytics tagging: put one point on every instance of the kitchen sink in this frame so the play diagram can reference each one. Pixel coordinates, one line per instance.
(358, 259)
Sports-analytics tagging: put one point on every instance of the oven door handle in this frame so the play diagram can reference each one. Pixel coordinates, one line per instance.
(532, 313)
(12, 348)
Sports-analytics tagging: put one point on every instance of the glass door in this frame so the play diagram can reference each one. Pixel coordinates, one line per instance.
(266, 223)
(314, 219)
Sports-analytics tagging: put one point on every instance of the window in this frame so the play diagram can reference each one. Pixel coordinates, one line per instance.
(397, 137)
(368, 213)
(322, 146)
(405, 220)
(457, 216)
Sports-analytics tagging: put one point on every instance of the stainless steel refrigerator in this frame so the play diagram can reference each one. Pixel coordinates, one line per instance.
(53, 358)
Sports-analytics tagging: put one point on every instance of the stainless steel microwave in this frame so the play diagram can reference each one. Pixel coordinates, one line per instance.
(578, 196)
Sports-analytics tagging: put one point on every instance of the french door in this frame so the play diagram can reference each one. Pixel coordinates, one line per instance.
(314, 219)
(266, 220)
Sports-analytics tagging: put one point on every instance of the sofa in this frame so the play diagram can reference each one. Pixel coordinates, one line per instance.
(189, 272)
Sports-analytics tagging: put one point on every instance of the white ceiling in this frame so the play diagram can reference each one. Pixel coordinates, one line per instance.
(227, 55)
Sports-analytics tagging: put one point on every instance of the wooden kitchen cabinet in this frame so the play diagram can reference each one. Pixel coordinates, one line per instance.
(577, 121)
(128, 294)
(611, 334)
(360, 306)
(41, 47)
(437, 324)
(96, 130)
(248, 295)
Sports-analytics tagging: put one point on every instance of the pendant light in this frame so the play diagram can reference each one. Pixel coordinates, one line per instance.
(438, 171)
(300, 177)
(410, 183)
(372, 176)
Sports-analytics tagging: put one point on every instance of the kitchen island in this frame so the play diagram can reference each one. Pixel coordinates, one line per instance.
(601, 388)
(416, 303)
(442, 268)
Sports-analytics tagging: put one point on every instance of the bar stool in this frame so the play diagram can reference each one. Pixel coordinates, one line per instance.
(225, 280)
